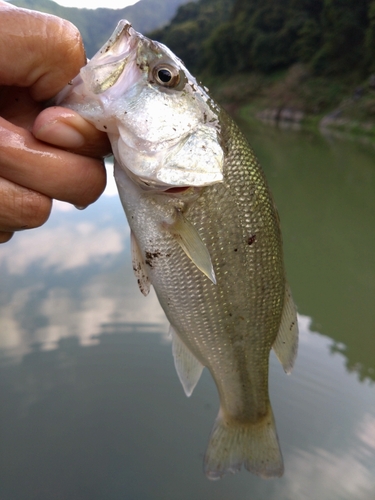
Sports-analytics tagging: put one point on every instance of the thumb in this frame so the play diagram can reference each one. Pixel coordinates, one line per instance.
(68, 130)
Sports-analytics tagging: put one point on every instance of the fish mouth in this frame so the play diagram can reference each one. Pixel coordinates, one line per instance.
(121, 43)
(149, 186)
(176, 190)
(159, 188)
(110, 64)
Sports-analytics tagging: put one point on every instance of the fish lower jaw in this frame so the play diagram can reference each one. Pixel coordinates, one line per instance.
(177, 190)
(148, 186)
(151, 186)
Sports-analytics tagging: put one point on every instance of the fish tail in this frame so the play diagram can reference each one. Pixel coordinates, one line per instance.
(233, 443)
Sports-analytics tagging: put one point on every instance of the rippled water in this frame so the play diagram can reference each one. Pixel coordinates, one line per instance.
(91, 407)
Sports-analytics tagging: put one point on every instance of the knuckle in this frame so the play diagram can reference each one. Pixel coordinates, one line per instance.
(34, 209)
(64, 53)
(70, 42)
(21, 208)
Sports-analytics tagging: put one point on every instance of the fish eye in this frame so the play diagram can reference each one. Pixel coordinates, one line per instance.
(166, 76)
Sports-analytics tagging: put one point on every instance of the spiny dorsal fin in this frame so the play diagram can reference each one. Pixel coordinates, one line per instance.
(192, 244)
(286, 343)
(188, 368)
(139, 266)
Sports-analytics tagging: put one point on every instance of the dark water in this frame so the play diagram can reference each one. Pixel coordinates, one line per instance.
(90, 405)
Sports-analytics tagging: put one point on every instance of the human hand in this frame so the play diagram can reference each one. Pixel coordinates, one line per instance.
(45, 154)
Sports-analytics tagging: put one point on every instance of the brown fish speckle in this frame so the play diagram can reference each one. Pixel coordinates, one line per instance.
(150, 258)
(251, 239)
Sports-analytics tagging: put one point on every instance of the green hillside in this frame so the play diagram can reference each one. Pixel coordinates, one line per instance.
(331, 36)
(308, 57)
(191, 27)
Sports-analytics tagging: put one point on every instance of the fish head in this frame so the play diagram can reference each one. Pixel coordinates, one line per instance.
(163, 126)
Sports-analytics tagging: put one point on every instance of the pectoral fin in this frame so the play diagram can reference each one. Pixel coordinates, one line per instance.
(286, 343)
(139, 267)
(189, 369)
(192, 244)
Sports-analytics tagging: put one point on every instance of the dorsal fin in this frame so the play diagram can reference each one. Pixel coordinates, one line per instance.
(286, 343)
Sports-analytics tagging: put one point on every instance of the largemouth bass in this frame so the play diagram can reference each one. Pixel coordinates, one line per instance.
(205, 233)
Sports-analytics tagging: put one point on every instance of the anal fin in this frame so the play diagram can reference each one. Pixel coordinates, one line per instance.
(286, 343)
(188, 368)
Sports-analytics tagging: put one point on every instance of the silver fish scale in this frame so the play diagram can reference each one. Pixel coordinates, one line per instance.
(231, 326)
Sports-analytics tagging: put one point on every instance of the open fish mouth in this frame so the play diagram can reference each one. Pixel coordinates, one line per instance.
(120, 42)
(108, 65)
(123, 57)
(175, 190)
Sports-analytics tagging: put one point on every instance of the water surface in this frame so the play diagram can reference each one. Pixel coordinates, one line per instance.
(91, 406)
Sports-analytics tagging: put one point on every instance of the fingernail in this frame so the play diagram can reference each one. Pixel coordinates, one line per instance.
(60, 134)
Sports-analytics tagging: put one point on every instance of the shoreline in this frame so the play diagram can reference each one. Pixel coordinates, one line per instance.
(287, 118)
(296, 100)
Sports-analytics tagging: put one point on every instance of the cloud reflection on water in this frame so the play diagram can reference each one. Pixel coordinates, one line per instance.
(72, 317)
(62, 248)
(366, 433)
(121, 395)
(68, 277)
(59, 313)
(319, 473)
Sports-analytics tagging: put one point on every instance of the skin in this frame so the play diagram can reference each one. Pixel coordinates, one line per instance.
(45, 154)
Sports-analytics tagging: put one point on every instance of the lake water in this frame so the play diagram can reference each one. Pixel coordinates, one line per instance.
(90, 405)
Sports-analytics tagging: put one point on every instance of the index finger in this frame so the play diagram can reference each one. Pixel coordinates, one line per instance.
(42, 51)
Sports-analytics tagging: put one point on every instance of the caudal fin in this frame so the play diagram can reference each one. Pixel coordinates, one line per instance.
(233, 443)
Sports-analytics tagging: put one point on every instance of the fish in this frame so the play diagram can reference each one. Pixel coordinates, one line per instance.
(205, 234)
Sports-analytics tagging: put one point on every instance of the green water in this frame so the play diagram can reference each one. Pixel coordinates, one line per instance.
(90, 405)
(325, 193)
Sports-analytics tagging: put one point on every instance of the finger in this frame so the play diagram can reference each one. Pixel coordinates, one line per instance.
(43, 52)
(67, 129)
(4, 237)
(50, 171)
(21, 208)
(17, 106)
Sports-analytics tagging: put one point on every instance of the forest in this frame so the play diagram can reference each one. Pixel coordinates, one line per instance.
(305, 60)
(331, 37)
(316, 57)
